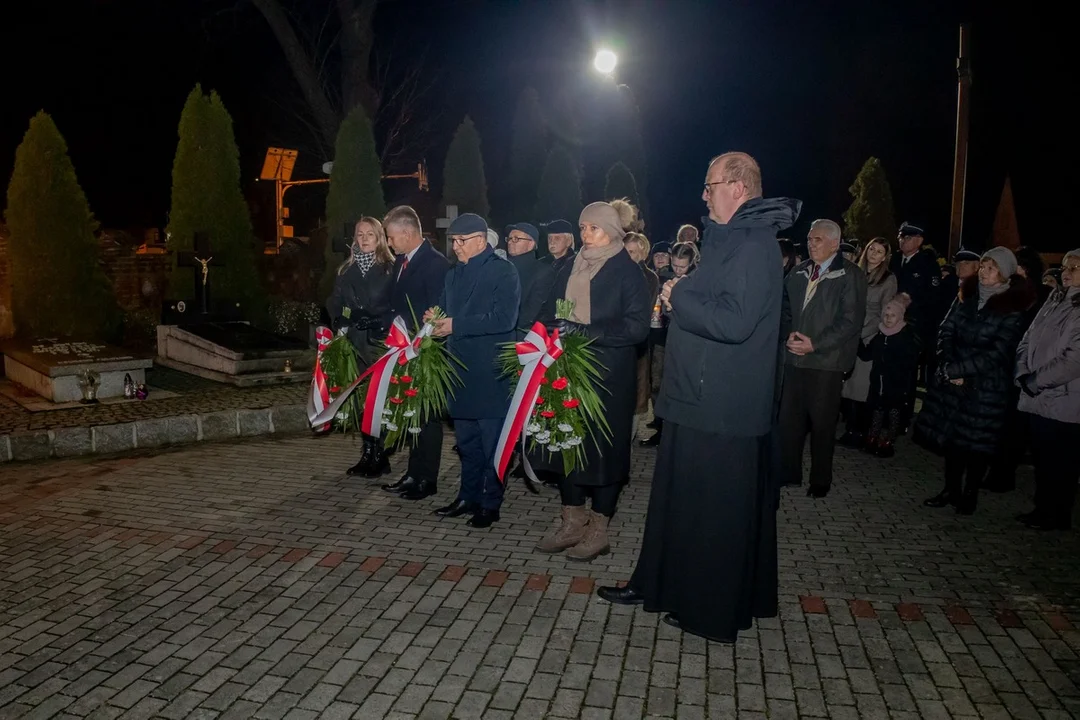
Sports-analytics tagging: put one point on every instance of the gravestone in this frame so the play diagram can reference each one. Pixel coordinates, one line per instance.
(51, 367)
(200, 339)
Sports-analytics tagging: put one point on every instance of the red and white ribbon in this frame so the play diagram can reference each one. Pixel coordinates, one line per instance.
(536, 353)
(400, 349)
(319, 397)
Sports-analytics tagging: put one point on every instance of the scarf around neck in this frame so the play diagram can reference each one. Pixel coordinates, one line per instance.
(889, 332)
(364, 261)
(586, 264)
(988, 291)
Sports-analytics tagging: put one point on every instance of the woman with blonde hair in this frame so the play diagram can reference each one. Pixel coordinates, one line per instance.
(880, 289)
(357, 306)
(638, 247)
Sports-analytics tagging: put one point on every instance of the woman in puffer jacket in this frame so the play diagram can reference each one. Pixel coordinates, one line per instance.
(964, 412)
(1048, 373)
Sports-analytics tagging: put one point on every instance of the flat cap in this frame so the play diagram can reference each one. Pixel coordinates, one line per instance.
(467, 224)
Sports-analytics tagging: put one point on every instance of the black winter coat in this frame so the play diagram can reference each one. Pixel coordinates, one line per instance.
(418, 286)
(893, 359)
(536, 277)
(720, 364)
(920, 277)
(979, 347)
(358, 299)
(620, 308)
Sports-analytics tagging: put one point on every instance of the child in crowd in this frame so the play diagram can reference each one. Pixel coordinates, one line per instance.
(894, 352)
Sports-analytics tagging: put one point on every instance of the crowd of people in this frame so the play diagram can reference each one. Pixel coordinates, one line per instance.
(743, 344)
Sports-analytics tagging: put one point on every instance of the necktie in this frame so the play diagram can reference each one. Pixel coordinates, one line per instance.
(814, 275)
(405, 264)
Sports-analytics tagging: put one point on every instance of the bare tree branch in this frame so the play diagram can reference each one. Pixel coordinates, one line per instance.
(326, 117)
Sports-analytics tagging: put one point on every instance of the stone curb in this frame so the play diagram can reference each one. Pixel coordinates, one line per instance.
(152, 433)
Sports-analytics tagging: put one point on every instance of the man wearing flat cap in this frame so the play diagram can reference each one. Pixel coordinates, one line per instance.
(480, 298)
(560, 241)
(536, 276)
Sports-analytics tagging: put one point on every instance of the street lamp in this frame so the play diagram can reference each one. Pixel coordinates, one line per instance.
(605, 61)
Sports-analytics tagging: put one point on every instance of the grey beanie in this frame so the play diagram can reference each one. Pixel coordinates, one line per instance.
(605, 217)
(1004, 259)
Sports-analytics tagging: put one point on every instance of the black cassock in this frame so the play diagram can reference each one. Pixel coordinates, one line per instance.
(709, 552)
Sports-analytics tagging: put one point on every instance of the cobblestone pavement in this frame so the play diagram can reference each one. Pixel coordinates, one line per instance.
(254, 580)
(197, 396)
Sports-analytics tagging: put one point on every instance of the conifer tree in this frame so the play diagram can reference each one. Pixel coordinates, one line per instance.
(206, 198)
(58, 288)
(620, 183)
(559, 195)
(463, 174)
(871, 212)
(355, 187)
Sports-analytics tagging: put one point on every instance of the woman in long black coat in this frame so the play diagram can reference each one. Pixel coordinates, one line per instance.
(360, 299)
(966, 403)
(612, 308)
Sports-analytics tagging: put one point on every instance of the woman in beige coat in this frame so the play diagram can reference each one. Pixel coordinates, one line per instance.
(881, 287)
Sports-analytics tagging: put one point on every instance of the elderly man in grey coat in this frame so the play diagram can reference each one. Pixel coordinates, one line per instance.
(824, 307)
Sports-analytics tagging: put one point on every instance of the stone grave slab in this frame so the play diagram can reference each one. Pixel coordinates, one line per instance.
(234, 352)
(51, 367)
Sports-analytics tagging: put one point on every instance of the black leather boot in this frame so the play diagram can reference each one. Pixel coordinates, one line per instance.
(379, 464)
(943, 498)
(625, 595)
(361, 468)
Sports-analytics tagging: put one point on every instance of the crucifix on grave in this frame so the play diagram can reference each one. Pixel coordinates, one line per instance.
(200, 260)
(444, 224)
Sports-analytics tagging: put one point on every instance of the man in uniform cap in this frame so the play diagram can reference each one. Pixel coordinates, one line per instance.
(919, 275)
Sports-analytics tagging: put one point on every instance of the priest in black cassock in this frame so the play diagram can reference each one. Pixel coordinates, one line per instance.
(708, 558)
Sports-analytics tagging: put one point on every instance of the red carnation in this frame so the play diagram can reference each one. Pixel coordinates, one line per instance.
(406, 379)
(393, 380)
(547, 414)
(539, 400)
(559, 384)
(411, 392)
(396, 401)
(543, 380)
(571, 403)
(335, 389)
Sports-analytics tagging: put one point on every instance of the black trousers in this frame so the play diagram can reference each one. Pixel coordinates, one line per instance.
(965, 469)
(810, 404)
(425, 457)
(476, 441)
(605, 498)
(1056, 470)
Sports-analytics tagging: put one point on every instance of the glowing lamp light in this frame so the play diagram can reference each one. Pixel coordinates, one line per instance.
(605, 62)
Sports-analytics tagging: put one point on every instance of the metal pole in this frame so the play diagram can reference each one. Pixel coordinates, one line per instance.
(963, 96)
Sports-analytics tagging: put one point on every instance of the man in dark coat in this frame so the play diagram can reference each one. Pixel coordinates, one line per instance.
(709, 554)
(480, 298)
(560, 241)
(919, 275)
(417, 277)
(824, 307)
(536, 276)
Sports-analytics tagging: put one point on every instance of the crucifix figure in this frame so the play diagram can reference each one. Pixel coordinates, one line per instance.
(194, 259)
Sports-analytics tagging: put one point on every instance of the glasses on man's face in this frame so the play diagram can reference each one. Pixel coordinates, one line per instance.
(514, 240)
(467, 238)
(1070, 268)
(709, 186)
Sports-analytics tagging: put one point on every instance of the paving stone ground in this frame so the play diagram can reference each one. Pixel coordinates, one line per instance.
(253, 580)
(196, 396)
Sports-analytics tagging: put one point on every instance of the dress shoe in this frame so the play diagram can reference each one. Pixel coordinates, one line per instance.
(942, 499)
(455, 509)
(483, 518)
(816, 491)
(419, 491)
(673, 620)
(625, 595)
(404, 483)
(653, 424)
(885, 450)
(651, 441)
(549, 478)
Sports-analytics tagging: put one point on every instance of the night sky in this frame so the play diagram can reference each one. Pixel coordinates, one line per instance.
(811, 93)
